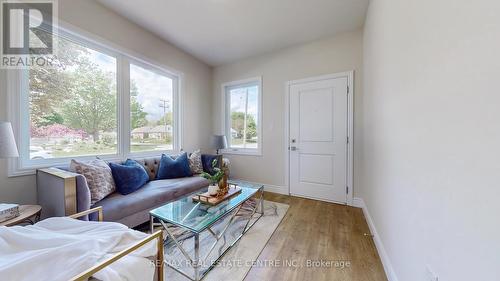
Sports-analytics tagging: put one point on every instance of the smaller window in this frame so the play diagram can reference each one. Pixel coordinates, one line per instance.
(242, 116)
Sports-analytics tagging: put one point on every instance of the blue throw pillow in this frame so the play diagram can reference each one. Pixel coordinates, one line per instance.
(129, 176)
(173, 168)
(206, 161)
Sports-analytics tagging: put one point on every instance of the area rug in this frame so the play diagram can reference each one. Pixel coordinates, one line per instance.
(236, 262)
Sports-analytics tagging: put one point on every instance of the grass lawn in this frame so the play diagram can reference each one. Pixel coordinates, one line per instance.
(239, 143)
(83, 149)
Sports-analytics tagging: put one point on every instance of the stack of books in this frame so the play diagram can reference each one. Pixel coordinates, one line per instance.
(8, 211)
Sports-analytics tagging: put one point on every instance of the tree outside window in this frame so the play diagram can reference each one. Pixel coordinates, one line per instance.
(73, 104)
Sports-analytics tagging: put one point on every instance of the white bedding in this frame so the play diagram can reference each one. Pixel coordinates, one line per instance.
(60, 248)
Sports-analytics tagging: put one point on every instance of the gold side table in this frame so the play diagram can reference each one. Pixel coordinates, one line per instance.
(27, 214)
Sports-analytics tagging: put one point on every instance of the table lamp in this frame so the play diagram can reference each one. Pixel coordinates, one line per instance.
(219, 142)
(8, 148)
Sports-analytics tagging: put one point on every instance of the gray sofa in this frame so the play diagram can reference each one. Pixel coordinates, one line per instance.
(62, 193)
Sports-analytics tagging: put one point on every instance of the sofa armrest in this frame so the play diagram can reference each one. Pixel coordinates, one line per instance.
(61, 193)
(82, 195)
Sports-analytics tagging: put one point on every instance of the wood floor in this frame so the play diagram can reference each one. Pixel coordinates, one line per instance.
(319, 231)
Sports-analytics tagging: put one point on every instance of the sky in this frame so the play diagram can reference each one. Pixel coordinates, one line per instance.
(152, 89)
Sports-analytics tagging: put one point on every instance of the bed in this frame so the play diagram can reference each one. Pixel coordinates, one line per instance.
(66, 248)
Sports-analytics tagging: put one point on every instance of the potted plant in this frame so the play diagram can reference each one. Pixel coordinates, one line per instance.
(213, 188)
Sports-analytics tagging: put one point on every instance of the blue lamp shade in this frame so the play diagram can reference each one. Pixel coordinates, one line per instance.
(219, 142)
(8, 148)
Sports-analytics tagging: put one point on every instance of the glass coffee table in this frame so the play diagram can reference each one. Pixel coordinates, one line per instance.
(197, 218)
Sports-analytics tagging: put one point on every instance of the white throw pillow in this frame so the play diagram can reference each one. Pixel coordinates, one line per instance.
(99, 178)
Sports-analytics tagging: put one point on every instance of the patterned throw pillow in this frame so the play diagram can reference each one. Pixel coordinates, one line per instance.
(99, 178)
(195, 162)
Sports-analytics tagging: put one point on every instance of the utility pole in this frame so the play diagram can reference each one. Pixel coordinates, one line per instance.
(165, 104)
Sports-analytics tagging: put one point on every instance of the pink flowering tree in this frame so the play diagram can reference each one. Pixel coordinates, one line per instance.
(56, 131)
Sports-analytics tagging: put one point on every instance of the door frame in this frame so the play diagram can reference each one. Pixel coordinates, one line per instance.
(350, 129)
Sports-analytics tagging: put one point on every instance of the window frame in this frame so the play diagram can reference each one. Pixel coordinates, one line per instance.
(17, 86)
(176, 133)
(226, 115)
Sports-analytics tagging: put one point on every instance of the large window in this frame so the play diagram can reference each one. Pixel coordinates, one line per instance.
(72, 104)
(93, 101)
(242, 116)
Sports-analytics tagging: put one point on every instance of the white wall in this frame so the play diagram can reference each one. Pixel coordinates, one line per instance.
(337, 54)
(430, 146)
(196, 94)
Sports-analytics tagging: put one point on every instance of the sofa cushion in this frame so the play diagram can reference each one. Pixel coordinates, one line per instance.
(173, 168)
(152, 195)
(151, 165)
(129, 176)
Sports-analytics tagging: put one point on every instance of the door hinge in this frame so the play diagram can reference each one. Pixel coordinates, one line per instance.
(347, 140)
(347, 89)
(347, 189)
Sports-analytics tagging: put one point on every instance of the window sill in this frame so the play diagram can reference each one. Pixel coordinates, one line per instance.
(16, 170)
(247, 152)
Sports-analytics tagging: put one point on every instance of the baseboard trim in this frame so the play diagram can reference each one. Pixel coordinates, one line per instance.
(276, 189)
(280, 189)
(319, 199)
(389, 270)
(357, 202)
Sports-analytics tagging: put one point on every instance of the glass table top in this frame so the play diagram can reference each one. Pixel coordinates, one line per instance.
(197, 216)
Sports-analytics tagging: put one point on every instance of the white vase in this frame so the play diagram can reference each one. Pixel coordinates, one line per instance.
(213, 189)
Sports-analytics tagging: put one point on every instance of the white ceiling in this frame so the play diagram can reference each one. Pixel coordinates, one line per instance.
(223, 31)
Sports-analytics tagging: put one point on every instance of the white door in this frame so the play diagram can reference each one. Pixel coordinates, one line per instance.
(318, 139)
